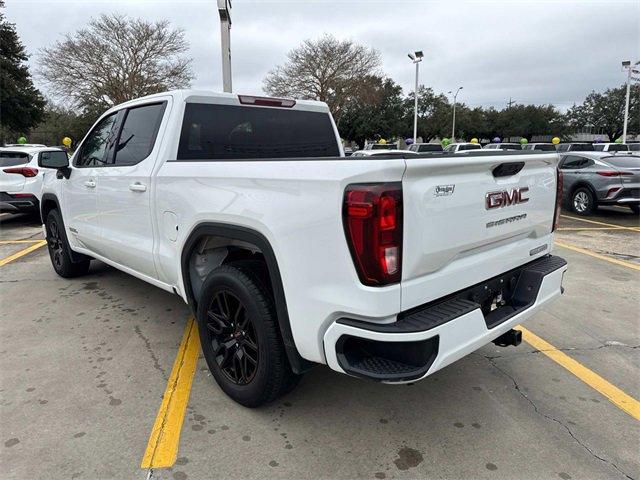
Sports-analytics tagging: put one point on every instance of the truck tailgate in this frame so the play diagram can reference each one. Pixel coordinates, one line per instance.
(467, 218)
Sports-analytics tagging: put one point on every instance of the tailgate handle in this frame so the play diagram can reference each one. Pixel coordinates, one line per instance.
(507, 169)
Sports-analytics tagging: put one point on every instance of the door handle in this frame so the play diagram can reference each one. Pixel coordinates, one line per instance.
(138, 187)
(90, 184)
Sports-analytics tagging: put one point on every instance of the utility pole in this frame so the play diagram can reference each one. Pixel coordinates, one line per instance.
(224, 6)
(630, 69)
(453, 127)
(510, 102)
(416, 58)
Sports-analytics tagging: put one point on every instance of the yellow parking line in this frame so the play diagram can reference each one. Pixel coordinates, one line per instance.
(616, 396)
(22, 253)
(633, 229)
(11, 242)
(597, 255)
(162, 448)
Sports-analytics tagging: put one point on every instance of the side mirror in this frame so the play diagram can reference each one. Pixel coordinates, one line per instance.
(57, 160)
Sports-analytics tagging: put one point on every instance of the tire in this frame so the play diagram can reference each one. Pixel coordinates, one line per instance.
(59, 250)
(583, 202)
(240, 337)
(635, 209)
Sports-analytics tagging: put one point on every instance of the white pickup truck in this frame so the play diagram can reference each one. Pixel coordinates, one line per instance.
(290, 254)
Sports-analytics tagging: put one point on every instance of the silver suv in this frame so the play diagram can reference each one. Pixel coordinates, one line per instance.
(599, 178)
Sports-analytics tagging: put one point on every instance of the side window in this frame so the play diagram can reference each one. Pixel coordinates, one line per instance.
(138, 134)
(95, 147)
(573, 162)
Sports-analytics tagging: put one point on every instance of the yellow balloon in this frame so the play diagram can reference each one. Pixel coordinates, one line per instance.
(474, 140)
(382, 141)
(555, 140)
(66, 141)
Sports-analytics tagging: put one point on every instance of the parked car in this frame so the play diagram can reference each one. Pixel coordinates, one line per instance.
(380, 146)
(382, 153)
(610, 147)
(543, 147)
(503, 146)
(461, 147)
(599, 178)
(575, 147)
(25, 145)
(290, 254)
(348, 151)
(21, 176)
(425, 147)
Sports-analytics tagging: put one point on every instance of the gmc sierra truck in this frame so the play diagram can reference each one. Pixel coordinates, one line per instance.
(291, 254)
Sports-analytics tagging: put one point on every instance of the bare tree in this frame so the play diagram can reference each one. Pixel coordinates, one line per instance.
(115, 59)
(327, 69)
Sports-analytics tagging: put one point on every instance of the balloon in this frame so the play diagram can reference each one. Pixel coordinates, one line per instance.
(555, 140)
(474, 140)
(66, 141)
(22, 140)
(618, 140)
(496, 140)
(523, 141)
(408, 141)
(445, 142)
(382, 141)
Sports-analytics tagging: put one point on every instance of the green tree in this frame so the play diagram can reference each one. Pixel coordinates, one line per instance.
(379, 112)
(60, 122)
(606, 111)
(21, 103)
(434, 114)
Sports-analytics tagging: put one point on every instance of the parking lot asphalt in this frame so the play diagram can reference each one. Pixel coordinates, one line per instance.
(84, 364)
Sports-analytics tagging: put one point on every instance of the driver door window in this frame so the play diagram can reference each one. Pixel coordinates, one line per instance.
(96, 147)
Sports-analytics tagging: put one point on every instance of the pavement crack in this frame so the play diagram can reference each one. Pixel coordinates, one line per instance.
(553, 419)
(147, 345)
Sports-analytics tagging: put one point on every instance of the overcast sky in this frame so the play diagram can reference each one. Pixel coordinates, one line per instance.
(531, 51)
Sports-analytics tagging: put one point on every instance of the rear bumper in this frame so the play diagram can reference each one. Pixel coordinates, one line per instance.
(430, 337)
(627, 196)
(18, 204)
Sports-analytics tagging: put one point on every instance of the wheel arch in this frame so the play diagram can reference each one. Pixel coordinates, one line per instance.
(253, 237)
(48, 202)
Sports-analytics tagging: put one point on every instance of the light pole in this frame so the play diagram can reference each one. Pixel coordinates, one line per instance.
(630, 69)
(225, 42)
(453, 128)
(416, 57)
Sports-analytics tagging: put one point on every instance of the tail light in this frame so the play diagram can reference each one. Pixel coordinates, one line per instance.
(611, 173)
(372, 216)
(24, 171)
(559, 187)
(266, 101)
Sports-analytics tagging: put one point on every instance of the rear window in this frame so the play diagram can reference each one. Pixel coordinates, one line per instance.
(235, 132)
(9, 159)
(434, 147)
(623, 162)
(511, 146)
(545, 148)
(471, 146)
(634, 147)
(618, 148)
(380, 146)
(581, 147)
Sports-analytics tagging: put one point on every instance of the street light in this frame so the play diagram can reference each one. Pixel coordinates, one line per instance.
(453, 129)
(416, 57)
(225, 44)
(630, 69)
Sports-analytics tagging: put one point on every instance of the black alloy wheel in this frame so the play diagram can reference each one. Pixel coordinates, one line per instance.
(233, 338)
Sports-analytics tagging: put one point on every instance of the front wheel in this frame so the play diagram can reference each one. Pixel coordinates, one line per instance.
(59, 250)
(240, 337)
(583, 201)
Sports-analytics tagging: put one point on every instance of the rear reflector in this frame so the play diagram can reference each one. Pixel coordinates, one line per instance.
(266, 101)
(559, 187)
(23, 195)
(372, 217)
(24, 171)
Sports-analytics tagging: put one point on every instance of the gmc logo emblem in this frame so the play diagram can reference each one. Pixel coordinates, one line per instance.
(506, 198)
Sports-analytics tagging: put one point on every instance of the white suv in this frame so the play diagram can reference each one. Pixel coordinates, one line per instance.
(21, 176)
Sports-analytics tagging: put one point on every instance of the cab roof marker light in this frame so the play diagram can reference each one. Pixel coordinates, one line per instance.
(266, 101)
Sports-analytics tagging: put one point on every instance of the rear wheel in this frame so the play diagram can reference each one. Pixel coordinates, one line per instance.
(59, 250)
(583, 201)
(240, 337)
